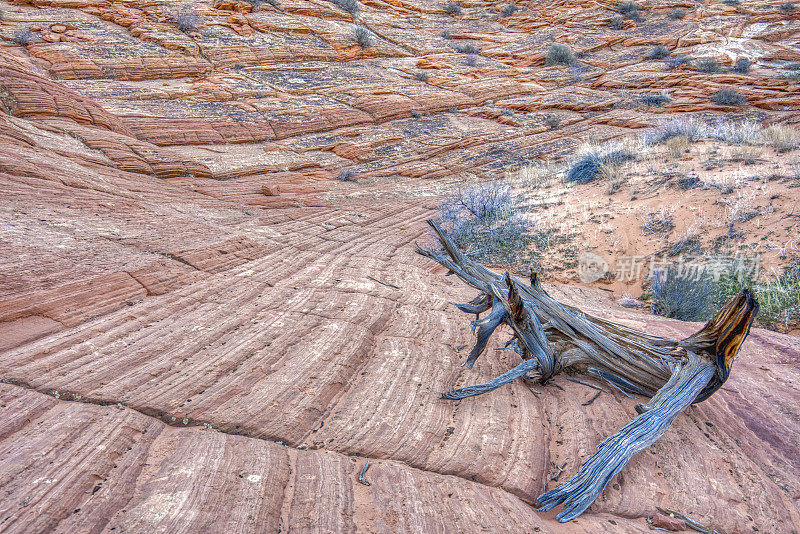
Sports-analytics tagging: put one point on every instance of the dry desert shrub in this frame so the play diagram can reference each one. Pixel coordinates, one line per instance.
(657, 221)
(677, 146)
(560, 54)
(781, 137)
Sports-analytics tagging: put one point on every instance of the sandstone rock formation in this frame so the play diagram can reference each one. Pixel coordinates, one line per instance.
(201, 328)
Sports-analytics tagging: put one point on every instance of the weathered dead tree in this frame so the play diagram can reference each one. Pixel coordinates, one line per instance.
(551, 336)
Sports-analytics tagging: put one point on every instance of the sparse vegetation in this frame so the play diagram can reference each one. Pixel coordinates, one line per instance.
(617, 23)
(673, 62)
(677, 13)
(510, 9)
(467, 48)
(595, 162)
(781, 137)
(677, 146)
(629, 10)
(708, 65)
(788, 8)
(351, 6)
(658, 221)
(695, 296)
(453, 9)
(689, 128)
(655, 100)
(24, 37)
(742, 65)
(471, 60)
(779, 297)
(659, 52)
(552, 122)
(684, 296)
(421, 76)
(364, 37)
(687, 243)
(747, 155)
(560, 54)
(347, 175)
(728, 97)
(188, 20)
(741, 208)
(446, 34)
(735, 133)
(488, 221)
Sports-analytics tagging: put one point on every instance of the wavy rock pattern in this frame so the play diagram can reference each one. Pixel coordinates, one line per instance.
(190, 335)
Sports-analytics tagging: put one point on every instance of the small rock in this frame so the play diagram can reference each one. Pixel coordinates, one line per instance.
(270, 190)
(667, 522)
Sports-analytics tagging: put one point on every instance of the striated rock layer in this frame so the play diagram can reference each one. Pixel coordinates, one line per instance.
(202, 330)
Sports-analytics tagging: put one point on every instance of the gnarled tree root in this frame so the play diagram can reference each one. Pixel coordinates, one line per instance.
(551, 336)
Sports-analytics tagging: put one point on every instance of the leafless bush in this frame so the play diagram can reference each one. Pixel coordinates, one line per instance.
(657, 221)
(188, 20)
(488, 221)
(741, 208)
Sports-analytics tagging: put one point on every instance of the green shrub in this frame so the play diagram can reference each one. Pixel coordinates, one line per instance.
(552, 122)
(656, 100)
(659, 52)
(560, 54)
(707, 64)
(24, 37)
(466, 49)
(629, 10)
(779, 297)
(453, 9)
(510, 9)
(742, 65)
(678, 61)
(347, 175)
(728, 97)
(677, 14)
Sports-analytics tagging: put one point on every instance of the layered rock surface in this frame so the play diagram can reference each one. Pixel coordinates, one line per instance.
(201, 329)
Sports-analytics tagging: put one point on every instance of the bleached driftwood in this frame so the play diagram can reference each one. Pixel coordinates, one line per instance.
(551, 336)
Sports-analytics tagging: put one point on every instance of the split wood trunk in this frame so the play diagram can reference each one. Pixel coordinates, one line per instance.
(551, 336)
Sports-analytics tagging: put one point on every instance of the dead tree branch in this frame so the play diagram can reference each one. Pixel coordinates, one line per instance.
(551, 336)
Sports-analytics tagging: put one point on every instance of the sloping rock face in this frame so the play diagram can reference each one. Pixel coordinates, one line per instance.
(202, 330)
